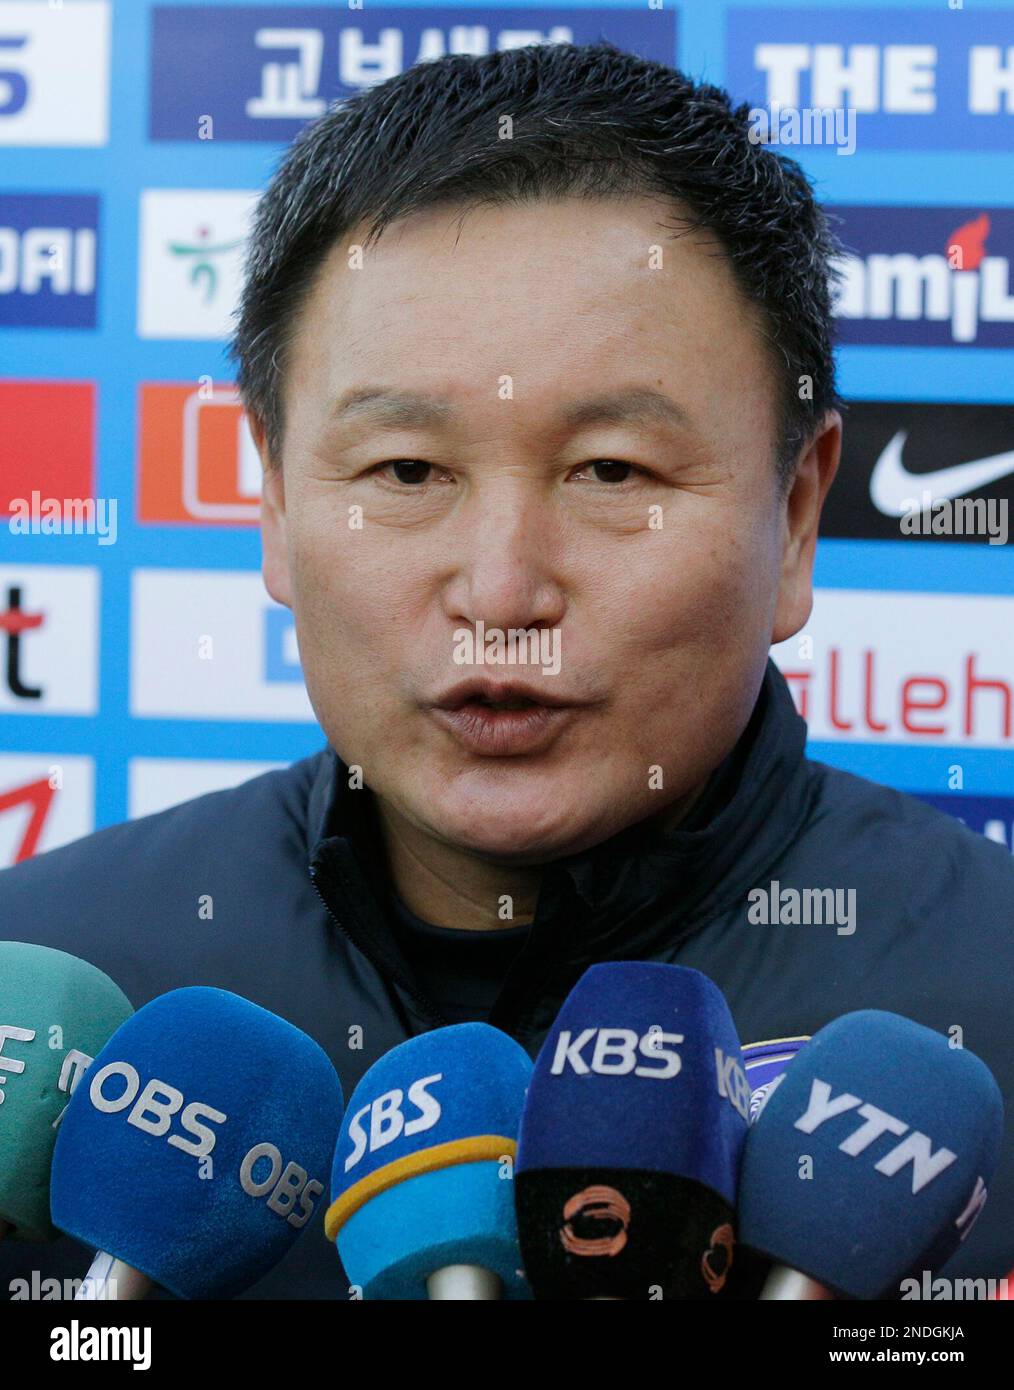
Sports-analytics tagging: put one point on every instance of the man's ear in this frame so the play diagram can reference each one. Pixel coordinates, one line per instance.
(274, 537)
(814, 474)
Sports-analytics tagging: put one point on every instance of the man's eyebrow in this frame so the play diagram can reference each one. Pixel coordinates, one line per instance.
(405, 409)
(630, 406)
(390, 407)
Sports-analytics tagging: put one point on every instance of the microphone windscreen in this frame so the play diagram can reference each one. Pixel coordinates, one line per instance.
(423, 1167)
(631, 1138)
(198, 1143)
(765, 1063)
(56, 1012)
(871, 1158)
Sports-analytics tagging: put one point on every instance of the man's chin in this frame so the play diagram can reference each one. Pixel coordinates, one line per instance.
(518, 836)
(512, 851)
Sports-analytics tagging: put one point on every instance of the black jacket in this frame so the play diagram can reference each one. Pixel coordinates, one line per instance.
(291, 866)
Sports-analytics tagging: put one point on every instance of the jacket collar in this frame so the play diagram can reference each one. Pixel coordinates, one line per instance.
(696, 873)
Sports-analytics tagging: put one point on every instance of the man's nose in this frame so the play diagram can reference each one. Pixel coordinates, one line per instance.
(510, 545)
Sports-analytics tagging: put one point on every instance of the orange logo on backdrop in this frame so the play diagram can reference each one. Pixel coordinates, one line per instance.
(198, 463)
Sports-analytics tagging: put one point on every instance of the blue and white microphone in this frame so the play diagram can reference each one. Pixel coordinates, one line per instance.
(195, 1149)
(422, 1192)
(869, 1160)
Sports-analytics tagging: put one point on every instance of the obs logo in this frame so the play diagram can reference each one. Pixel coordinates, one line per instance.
(154, 1109)
(284, 1184)
(596, 1222)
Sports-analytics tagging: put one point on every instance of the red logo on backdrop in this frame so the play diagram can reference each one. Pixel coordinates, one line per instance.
(14, 622)
(970, 242)
(39, 797)
(48, 440)
(976, 702)
(198, 462)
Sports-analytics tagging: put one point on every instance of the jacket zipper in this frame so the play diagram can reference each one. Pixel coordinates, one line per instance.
(383, 969)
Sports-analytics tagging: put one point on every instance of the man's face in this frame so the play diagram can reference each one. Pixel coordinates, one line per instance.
(654, 547)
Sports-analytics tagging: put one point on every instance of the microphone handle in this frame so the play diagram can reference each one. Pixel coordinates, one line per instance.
(464, 1282)
(788, 1284)
(109, 1278)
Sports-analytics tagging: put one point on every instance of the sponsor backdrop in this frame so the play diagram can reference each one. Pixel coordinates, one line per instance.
(143, 662)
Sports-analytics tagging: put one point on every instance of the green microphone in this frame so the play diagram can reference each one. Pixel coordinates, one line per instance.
(56, 1012)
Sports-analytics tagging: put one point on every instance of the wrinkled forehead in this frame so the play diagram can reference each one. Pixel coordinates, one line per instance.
(550, 304)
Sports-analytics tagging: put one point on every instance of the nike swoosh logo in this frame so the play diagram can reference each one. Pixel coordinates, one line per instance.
(892, 485)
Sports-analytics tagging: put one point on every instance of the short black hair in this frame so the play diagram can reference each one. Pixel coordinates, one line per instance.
(586, 120)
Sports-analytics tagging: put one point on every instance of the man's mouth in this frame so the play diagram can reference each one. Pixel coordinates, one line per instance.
(519, 703)
(500, 695)
(499, 719)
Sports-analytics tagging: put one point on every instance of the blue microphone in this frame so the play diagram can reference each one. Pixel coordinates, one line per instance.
(869, 1160)
(194, 1150)
(631, 1139)
(422, 1202)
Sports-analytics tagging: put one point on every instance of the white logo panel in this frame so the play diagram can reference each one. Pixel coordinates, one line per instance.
(211, 644)
(49, 625)
(915, 668)
(54, 73)
(191, 261)
(155, 784)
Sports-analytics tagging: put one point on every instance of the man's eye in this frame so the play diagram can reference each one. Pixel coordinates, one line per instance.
(609, 470)
(407, 470)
